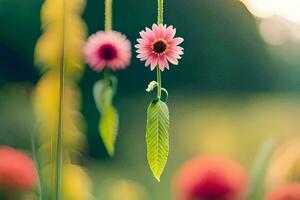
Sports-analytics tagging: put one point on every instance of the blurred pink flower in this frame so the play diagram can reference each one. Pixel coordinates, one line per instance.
(211, 178)
(107, 49)
(159, 47)
(286, 192)
(17, 170)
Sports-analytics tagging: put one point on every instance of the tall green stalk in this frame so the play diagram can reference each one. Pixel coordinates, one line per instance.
(160, 8)
(41, 185)
(160, 20)
(59, 138)
(108, 15)
(108, 21)
(158, 75)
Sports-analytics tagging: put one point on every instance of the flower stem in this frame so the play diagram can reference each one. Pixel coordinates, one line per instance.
(59, 138)
(160, 20)
(106, 77)
(160, 15)
(108, 15)
(108, 27)
(158, 74)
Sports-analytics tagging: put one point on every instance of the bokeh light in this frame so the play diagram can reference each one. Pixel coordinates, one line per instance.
(280, 20)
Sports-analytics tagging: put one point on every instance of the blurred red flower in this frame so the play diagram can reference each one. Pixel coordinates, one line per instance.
(286, 192)
(17, 170)
(210, 178)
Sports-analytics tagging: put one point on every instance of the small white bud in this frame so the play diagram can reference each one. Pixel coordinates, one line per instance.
(151, 86)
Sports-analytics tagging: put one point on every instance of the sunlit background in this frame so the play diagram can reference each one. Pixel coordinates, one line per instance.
(236, 87)
(278, 21)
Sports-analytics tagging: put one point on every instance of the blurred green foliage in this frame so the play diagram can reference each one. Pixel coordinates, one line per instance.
(16, 118)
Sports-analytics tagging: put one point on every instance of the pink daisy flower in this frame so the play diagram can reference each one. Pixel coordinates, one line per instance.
(107, 49)
(159, 47)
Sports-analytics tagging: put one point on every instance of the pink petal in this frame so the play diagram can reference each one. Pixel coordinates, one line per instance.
(176, 41)
(177, 51)
(142, 57)
(151, 59)
(154, 62)
(100, 66)
(172, 59)
(162, 31)
(162, 62)
(147, 36)
(170, 33)
(157, 31)
(142, 41)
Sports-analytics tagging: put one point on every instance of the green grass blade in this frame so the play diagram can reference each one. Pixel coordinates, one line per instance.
(259, 170)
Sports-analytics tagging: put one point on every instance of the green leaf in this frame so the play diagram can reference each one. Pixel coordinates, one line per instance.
(104, 91)
(108, 128)
(103, 95)
(259, 169)
(157, 137)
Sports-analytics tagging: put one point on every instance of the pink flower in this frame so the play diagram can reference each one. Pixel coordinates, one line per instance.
(211, 178)
(159, 47)
(107, 49)
(17, 170)
(287, 192)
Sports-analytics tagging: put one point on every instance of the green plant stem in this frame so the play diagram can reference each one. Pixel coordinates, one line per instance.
(38, 166)
(59, 138)
(160, 15)
(158, 74)
(108, 15)
(160, 20)
(106, 77)
(259, 169)
(108, 27)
